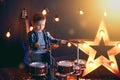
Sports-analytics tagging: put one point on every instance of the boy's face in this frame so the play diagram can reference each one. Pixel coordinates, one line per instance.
(40, 25)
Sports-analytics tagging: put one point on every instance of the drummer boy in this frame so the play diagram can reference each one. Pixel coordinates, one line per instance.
(39, 41)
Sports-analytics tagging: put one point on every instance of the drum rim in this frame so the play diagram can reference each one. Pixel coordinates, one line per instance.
(33, 65)
(58, 63)
(43, 74)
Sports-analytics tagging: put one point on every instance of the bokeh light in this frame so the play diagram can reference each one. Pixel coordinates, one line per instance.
(8, 34)
(81, 12)
(44, 11)
(31, 28)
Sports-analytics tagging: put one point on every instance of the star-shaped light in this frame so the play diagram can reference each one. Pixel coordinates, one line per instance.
(101, 49)
(92, 62)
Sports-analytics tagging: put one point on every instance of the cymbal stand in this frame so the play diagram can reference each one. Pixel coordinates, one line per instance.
(77, 59)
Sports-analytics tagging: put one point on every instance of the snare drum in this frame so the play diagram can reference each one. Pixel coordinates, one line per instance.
(37, 69)
(65, 67)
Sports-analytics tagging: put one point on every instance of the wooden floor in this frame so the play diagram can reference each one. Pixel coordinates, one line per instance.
(21, 74)
(13, 74)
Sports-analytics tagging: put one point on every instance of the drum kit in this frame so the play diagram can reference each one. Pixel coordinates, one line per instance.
(64, 68)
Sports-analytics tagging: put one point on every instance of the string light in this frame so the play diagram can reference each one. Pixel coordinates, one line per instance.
(44, 11)
(31, 28)
(8, 34)
(57, 19)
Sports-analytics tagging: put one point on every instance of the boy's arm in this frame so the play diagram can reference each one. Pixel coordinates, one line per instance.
(54, 40)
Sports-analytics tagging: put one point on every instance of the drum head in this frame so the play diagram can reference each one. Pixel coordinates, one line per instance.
(37, 64)
(65, 63)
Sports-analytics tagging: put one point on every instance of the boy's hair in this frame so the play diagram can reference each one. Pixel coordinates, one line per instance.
(37, 17)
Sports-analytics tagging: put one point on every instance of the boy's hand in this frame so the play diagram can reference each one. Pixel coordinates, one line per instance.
(63, 41)
(37, 44)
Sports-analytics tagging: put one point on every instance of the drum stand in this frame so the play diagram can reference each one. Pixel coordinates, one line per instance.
(51, 66)
(77, 59)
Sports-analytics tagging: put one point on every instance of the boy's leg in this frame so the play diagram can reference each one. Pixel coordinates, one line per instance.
(50, 60)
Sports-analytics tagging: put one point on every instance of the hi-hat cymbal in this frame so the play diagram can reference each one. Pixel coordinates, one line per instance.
(78, 40)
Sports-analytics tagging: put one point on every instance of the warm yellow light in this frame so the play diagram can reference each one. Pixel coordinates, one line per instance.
(84, 44)
(113, 5)
(91, 63)
(57, 19)
(105, 13)
(31, 28)
(8, 34)
(112, 64)
(81, 12)
(118, 45)
(102, 33)
(69, 44)
(44, 12)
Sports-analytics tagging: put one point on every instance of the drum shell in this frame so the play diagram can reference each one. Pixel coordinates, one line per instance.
(65, 67)
(38, 71)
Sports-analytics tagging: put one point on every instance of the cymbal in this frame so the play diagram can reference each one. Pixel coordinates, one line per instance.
(78, 40)
(75, 40)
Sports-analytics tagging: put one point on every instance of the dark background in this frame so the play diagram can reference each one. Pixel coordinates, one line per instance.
(82, 26)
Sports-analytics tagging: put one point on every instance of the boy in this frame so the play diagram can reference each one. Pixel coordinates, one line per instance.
(40, 43)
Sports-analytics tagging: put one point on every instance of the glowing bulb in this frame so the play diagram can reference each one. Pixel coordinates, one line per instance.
(31, 28)
(118, 45)
(44, 12)
(105, 13)
(57, 19)
(112, 64)
(101, 32)
(69, 44)
(81, 12)
(8, 34)
(84, 44)
(91, 63)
